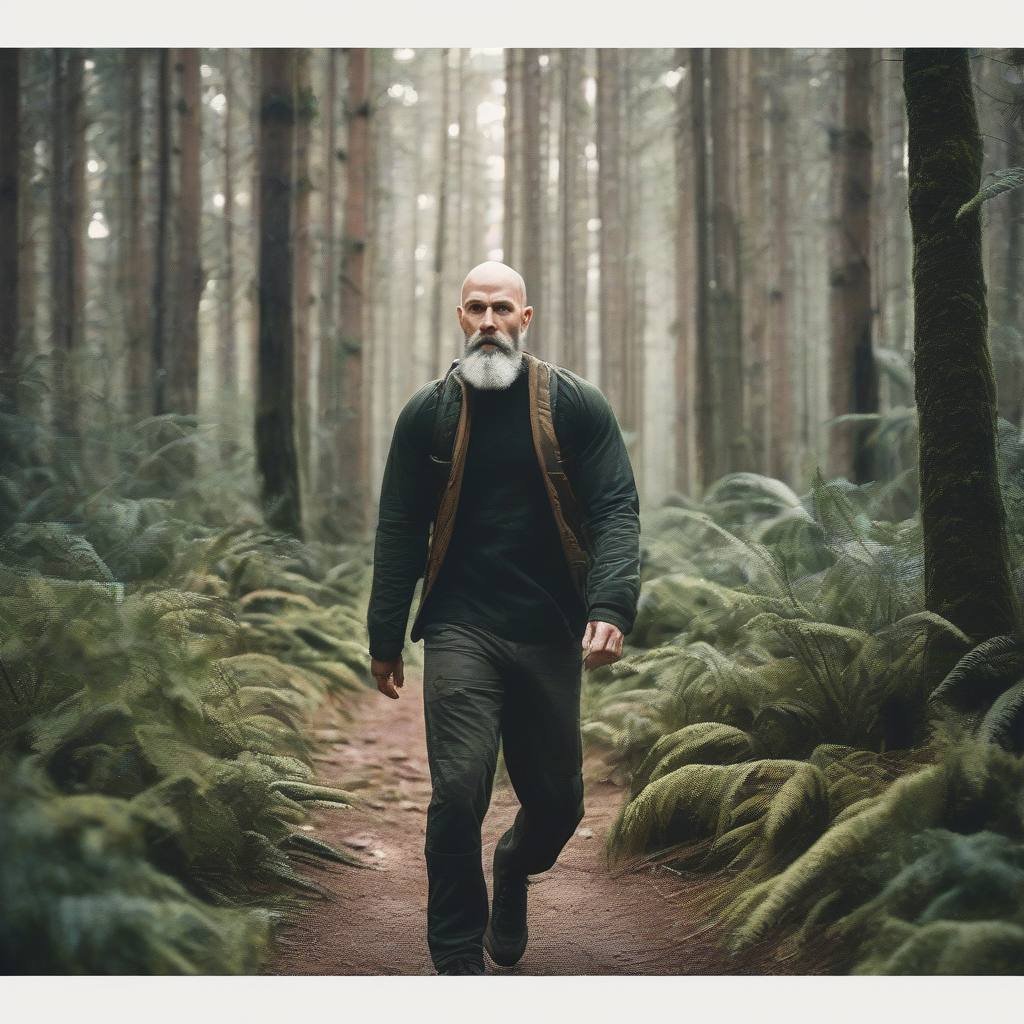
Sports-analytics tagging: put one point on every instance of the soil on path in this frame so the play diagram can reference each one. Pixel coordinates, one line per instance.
(583, 920)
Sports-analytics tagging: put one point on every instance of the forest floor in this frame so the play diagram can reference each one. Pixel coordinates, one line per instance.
(584, 920)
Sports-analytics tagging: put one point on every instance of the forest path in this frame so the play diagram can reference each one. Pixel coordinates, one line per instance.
(583, 920)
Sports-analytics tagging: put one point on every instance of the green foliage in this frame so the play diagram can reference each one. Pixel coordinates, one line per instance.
(161, 653)
(994, 185)
(773, 718)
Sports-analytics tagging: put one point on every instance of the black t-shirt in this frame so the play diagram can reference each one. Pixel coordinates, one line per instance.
(505, 570)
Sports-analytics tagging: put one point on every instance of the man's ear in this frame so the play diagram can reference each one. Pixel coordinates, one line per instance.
(527, 317)
(458, 310)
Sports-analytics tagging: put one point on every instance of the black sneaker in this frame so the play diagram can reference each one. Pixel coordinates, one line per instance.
(463, 967)
(506, 935)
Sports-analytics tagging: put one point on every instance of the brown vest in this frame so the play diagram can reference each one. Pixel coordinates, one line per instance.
(564, 506)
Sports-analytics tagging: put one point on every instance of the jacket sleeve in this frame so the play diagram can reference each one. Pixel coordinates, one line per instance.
(403, 528)
(602, 480)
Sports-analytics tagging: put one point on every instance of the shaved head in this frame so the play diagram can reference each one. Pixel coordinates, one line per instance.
(491, 275)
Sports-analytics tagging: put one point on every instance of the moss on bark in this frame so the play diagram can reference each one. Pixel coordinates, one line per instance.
(967, 563)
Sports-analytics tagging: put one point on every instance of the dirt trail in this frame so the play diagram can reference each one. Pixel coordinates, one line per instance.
(582, 919)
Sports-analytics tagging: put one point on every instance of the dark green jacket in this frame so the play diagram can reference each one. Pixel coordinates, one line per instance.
(591, 451)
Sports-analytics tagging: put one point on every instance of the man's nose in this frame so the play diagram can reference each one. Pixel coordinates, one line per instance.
(488, 319)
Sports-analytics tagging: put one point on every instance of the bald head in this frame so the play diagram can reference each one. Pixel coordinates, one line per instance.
(491, 276)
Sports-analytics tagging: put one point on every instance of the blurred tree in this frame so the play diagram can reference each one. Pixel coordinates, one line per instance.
(327, 379)
(227, 340)
(513, 180)
(533, 195)
(438, 363)
(162, 290)
(136, 253)
(10, 171)
(704, 370)
(276, 455)
(854, 380)
(725, 317)
(352, 434)
(183, 341)
(613, 294)
(572, 170)
(306, 110)
(967, 566)
(67, 237)
(781, 283)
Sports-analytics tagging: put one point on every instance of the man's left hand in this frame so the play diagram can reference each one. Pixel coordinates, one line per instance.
(602, 643)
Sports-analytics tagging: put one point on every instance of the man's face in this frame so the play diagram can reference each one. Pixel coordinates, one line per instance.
(492, 317)
(493, 309)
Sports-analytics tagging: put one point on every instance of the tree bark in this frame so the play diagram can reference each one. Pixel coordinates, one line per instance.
(686, 282)
(164, 200)
(854, 381)
(612, 240)
(352, 449)
(228, 342)
(10, 160)
(966, 553)
(67, 258)
(276, 454)
(136, 257)
(780, 296)
(533, 193)
(572, 172)
(327, 382)
(510, 236)
(440, 228)
(306, 111)
(183, 364)
(705, 399)
(724, 310)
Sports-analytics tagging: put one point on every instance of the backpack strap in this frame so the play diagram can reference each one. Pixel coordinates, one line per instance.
(564, 505)
(446, 423)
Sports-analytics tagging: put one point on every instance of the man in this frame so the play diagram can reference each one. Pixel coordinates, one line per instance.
(509, 481)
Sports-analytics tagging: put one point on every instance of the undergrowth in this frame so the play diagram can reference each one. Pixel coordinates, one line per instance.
(773, 721)
(160, 652)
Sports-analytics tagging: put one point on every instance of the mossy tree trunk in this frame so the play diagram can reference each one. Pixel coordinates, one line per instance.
(9, 237)
(854, 383)
(276, 454)
(967, 565)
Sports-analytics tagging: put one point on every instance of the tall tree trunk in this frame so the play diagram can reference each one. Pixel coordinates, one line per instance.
(511, 215)
(780, 295)
(164, 201)
(441, 228)
(67, 259)
(306, 110)
(10, 160)
(135, 257)
(327, 406)
(612, 240)
(228, 383)
(703, 376)
(183, 364)
(966, 553)
(276, 455)
(572, 171)
(687, 284)
(533, 193)
(724, 312)
(352, 434)
(854, 382)
(756, 255)
(27, 222)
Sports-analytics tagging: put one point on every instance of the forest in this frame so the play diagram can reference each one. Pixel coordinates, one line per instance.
(797, 276)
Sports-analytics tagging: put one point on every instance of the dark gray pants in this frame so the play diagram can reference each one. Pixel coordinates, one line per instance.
(479, 689)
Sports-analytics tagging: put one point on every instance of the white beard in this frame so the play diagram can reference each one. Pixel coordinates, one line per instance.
(491, 371)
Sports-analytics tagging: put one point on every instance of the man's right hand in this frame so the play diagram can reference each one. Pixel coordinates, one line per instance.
(390, 675)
